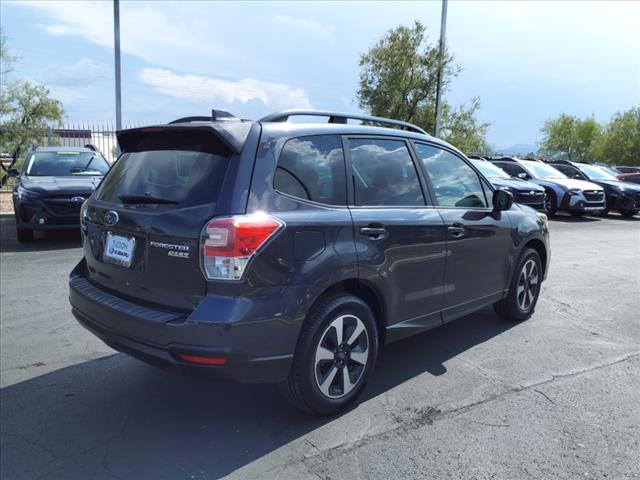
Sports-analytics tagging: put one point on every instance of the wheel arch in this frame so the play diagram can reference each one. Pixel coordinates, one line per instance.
(539, 246)
(364, 290)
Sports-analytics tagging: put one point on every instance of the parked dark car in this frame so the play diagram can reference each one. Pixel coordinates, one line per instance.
(624, 169)
(629, 177)
(525, 193)
(52, 186)
(563, 193)
(290, 252)
(621, 196)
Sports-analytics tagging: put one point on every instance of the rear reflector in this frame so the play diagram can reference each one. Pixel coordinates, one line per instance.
(203, 360)
(229, 243)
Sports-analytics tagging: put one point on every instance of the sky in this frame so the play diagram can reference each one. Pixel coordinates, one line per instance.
(527, 61)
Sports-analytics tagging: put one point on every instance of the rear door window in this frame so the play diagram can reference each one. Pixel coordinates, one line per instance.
(453, 181)
(183, 177)
(384, 173)
(312, 168)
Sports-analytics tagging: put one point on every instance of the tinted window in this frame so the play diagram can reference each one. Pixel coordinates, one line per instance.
(186, 177)
(454, 182)
(313, 168)
(384, 173)
(66, 163)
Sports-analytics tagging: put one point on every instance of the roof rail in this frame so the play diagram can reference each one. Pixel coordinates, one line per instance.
(215, 115)
(337, 117)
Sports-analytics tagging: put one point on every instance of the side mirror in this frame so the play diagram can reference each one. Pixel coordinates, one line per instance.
(502, 200)
(13, 172)
(523, 176)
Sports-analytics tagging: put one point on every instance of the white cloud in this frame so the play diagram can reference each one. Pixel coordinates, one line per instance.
(80, 73)
(308, 26)
(201, 89)
(162, 33)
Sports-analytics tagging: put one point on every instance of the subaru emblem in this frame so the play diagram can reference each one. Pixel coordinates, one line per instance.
(111, 218)
(77, 199)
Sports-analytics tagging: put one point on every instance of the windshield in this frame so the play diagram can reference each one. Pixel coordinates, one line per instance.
(165, 177)
(595, 173)
(542, 171)
(57, 164)
(489, 170)
(612, 171)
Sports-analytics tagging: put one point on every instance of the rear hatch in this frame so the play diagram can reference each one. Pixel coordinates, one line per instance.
(143, 225)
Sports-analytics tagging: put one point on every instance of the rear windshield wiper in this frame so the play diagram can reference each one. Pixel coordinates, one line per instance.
(133, 199)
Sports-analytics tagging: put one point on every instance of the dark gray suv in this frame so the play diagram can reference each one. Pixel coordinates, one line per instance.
(273, 251)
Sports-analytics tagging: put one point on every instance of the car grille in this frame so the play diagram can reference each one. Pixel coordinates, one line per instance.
(530, 198)
(62, 205)
(593, 195)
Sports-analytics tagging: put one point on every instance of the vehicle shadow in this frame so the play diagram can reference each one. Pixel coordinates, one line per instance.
(572, 219)
(635, 218)
(117, 417)
(43, 241)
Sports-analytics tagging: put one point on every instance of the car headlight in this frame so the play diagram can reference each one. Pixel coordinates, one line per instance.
(574, 190)
(24, 193)
(506, 189)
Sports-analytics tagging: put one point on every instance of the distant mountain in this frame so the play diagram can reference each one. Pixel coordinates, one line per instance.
(517, 149)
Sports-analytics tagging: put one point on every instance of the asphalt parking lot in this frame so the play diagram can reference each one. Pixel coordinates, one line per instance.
(554, 397)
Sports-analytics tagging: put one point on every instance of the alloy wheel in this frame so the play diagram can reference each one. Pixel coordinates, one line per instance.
(528, 282)
(341, 356)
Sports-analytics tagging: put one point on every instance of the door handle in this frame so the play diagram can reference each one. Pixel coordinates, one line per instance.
(375, 233)
(456, 230)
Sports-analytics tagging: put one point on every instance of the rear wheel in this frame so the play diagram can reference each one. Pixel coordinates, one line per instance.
(335, 355)
(24, 235)
(524, 289)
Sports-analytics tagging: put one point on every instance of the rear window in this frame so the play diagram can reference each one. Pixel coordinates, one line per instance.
(183, 177)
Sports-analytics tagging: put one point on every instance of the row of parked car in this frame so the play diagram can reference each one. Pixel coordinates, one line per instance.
(270, 251)
(563, 186)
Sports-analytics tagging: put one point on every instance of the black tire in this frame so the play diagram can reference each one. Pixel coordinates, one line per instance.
(302, 387)
(510, 308)
(628, 213)
(24, 235)
(551, 204)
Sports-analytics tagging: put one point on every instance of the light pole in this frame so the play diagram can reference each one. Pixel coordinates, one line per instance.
(116, 41)
(443, 27)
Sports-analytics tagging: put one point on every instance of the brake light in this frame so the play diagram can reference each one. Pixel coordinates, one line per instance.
(229, 243)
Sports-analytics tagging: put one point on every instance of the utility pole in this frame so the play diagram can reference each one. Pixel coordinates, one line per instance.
(443, 28)
(116, 41)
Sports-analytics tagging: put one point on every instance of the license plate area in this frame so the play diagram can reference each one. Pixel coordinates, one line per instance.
(119, 250)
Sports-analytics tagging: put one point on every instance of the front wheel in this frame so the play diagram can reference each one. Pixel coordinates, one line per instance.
(335, 355)
(550, 204)
(521, 300)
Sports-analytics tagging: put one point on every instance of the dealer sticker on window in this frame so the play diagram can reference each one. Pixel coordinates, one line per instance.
(119, 250)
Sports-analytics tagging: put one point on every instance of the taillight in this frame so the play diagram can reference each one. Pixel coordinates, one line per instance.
(228, 243)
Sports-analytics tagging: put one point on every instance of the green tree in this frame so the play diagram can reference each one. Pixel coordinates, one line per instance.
(26, 110)
(398, 78)
(620, 142)
(569, 137)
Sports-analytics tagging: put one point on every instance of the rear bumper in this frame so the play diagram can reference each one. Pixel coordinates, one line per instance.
(257, 337)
